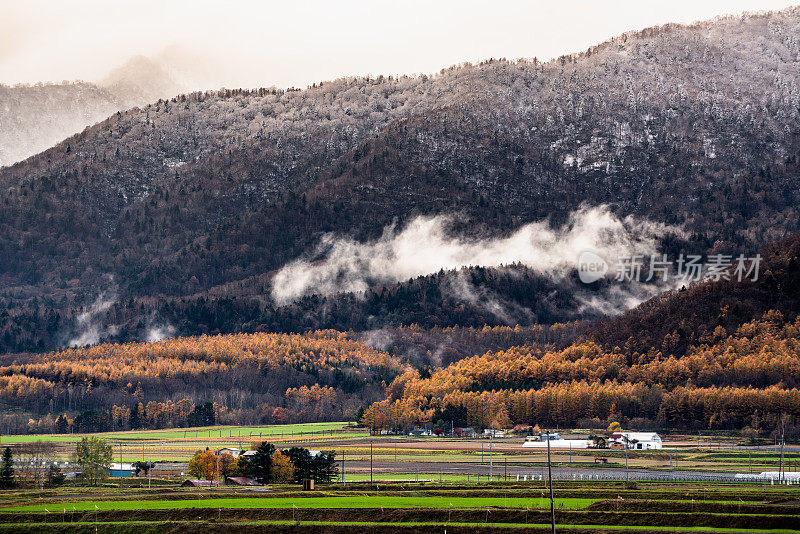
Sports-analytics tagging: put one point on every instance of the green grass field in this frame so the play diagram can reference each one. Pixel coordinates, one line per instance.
(581, 508)
(421, 526)
(350, 501)
(411, 491)
(221, 432)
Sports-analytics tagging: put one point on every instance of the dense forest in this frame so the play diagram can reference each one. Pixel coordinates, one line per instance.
(287, 241)
(677, 320)
(469, 297)
(208, 194)
(682, 360)
(241, 378)
(747, 379)
(718, 355)
(255, 378)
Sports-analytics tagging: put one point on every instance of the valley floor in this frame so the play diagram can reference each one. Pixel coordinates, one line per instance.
(422, 485)
(393, 507)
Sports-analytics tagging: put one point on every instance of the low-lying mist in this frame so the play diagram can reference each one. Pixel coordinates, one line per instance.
(89, 327)
(425, 246)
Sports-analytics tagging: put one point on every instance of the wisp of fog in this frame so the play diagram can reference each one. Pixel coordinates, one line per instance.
(424, 246)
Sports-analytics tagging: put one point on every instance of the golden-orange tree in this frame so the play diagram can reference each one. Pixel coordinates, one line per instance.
(321, 375)
(720, 383)
(203, 465)
(282, 468)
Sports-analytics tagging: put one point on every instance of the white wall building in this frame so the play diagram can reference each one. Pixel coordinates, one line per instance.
(559, 444)
(540, 441)
(637, 440)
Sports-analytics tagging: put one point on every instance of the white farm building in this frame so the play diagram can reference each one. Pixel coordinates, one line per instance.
(556, 442)
(636, 440)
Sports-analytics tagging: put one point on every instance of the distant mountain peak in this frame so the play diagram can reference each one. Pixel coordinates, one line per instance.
(141, 80)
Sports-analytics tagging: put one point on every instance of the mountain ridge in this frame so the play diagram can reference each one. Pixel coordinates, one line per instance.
(36, 117)
(206, 190)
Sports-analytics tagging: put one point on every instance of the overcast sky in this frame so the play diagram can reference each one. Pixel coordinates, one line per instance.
(263, 43)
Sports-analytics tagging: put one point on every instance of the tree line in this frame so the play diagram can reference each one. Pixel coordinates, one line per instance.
(242, 378)
(266, 465)
(746, 379)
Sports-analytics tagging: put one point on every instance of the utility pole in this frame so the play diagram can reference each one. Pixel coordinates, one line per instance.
(218, 466)
(491, 448)
(119, 444)
(783, 441)
(150, 467)
(370, 462)
(625, 440)
(344, 480)
(550, 480)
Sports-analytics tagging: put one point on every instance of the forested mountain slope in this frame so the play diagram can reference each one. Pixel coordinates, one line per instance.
(35, 117)
(676, 321)
(695, 126)
(255, 378)
(720, 355)
(473, 297)
(260, 377)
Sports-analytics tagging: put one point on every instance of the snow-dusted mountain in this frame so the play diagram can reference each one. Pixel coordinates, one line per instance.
(695, 126)
(33, 118)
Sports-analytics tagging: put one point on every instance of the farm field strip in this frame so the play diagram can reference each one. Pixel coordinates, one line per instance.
(401, 457)
(354, 501)
(405, 506)
(411, 524)
(221, 432)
